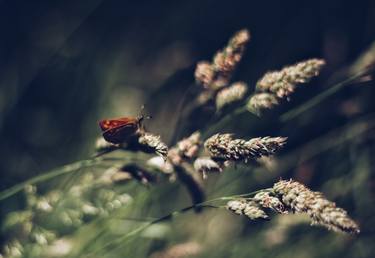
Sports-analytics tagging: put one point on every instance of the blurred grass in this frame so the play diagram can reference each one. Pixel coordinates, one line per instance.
(108, 66)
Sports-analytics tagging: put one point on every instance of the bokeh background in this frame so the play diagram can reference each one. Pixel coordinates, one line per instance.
(66, 64)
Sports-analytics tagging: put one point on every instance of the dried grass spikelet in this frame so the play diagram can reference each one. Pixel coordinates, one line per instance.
(206, 165)
(204, 73)
(247, 207)
(282, 83)
(266, 200)
(322, 212)
(216, 75)
(164, 166)
(174, 156)
(180, 157)
(231, 94)
(224, 147)
(154, 144)
(261, 101)
(186, 149)
(226, 60)
(159, 163)
(205, 96)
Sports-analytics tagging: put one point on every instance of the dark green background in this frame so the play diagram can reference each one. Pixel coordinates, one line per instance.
(66, 64)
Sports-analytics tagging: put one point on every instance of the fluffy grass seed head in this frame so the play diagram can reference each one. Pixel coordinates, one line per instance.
(154, 143)
(159, 163)
(267, 200)
(260, 101)
(231, 94)
(224, 147)
(204, 73)
(217, 75)
(226, 60)
(283, 83)
(186, 149)
(322, 212)
(247, 208)
(206, 165)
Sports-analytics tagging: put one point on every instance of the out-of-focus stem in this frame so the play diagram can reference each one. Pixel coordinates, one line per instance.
(49, 175)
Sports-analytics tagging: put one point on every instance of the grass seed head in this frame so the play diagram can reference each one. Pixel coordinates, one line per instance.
(223, 146)
(322, 212)
(154, 143)
(283, 83)
(231, 94)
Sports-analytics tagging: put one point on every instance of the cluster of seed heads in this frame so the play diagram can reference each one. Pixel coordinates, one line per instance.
(323, 212)
(49, 217)
(267, 200)
(72, 208)
(291, 196)
(217, 74)
(248, 208)
(224, 147)
(281, 84)
(186, 149)
(254, 208)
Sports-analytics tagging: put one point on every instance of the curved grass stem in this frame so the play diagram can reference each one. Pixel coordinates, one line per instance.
(320, 97)
(292, 113)
(49, 175)
(205, 204)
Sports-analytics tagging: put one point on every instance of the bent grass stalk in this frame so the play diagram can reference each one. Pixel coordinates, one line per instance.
(205, 204)
(290, 114)
(320, 97)
(49, 175)
(315, 147)
(70, 168)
